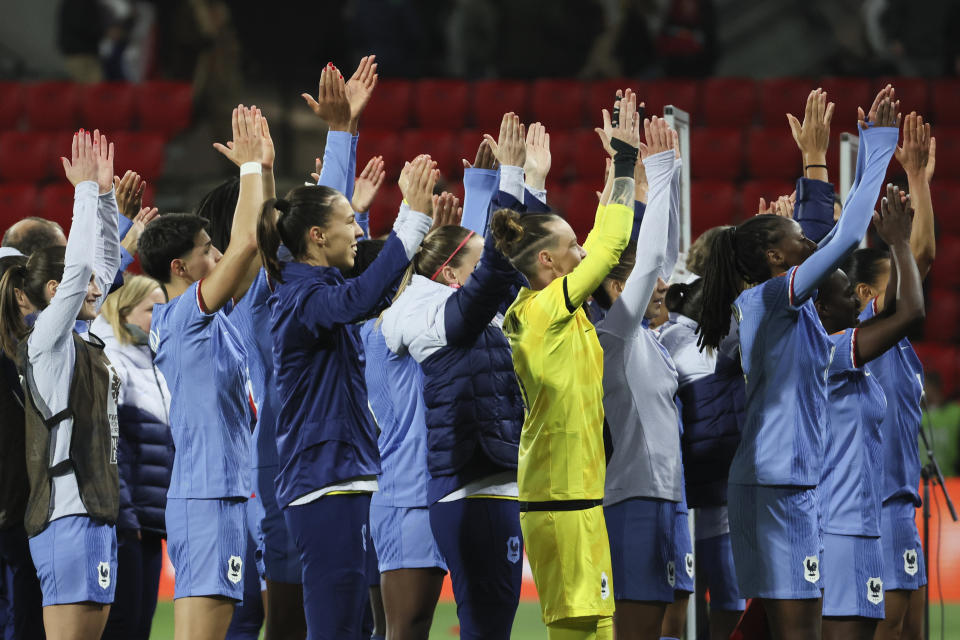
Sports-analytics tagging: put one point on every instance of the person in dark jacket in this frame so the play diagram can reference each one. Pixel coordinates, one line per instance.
(145, 456)
(326, 438)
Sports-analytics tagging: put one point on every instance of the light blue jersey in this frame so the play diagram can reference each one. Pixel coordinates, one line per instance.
(900, 374)
(785, 353)
(851, 482)
(202, 357)
(252, 318)
(395, 393)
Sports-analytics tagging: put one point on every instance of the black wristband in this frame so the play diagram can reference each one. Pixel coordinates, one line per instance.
(811, 166)
(624, 159)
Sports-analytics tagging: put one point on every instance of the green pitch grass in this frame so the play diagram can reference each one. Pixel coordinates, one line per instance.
(528, 626)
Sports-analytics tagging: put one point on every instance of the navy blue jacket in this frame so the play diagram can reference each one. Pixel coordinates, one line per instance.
(712, 409)
(813, 209)
(325, 433)
(470, 389)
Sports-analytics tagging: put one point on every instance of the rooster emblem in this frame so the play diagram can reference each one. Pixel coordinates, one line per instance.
(910, 562)
(513, 549)
(103, 574)
(234, 569)
(811, 569)
(875, 590)
(671, 573)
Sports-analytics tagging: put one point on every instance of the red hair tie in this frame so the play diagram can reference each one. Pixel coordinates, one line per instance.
(455, 252)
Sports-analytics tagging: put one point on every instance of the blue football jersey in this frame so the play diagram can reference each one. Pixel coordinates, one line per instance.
(785, 353)
(203, 359)
(851, 485)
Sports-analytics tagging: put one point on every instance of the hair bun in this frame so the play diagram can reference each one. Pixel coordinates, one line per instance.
(506, 228)
(281, 205)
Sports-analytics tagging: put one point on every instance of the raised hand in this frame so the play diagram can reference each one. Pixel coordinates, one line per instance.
(417, 185)
(627, 128)
(510, 149)
(82, 165)
(318, 164)
(269, 153)
(129, 193)
(914, 155)
(782, 206)
(248, 123)
(144, 217)
(446, 210)
(536, 166)
(367, 184)
(813, 134)
(104, 155)
(407, 170)
(332, 103)
(659, 137)
(871, 119)
(360, 87)
(640, 185)
(931, 159)
(895, 219)
(484, 159)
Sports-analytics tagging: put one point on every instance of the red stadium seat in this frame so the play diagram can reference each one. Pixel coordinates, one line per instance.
(379, 142)
(945, 273)
(144, 153)
(946, 101)
(946, 195)
(493, 98)
(942, 359)
(441, 145)
(913, 94)
(589, 162)
(11, 105)
(16, 201)
(391, 106)
(29, 157)
(108, 106)
(164, 107)
(441, 104)
(563, 154)
(728, 102)
(943, 316)
(847, 94)
(712, 203)
(384, 209)
(56, 203)
(752, 190)
(52, 106)
(581, 208)
(601, 94)
(558, 104)
(772, 153)
(466, 145)
(683, 94)
(780, 96)
(716, 154)
(948, 153)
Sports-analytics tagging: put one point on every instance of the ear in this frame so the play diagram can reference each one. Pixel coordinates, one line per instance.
(775, 258)
(317, 236)
(544, 259)
(618, 286)
(51, 288)
(865, 292)
(448, 276)
(178, 268)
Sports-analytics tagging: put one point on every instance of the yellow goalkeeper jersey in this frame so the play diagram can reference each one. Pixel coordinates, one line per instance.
(559, 363)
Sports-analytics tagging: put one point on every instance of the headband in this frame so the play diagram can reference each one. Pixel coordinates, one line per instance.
(455, 252)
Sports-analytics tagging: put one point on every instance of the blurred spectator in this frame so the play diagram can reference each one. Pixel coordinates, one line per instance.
(32, 233)
(472, 37)
(914, 47)
(687, 42)
(79, 31)
(943, 419)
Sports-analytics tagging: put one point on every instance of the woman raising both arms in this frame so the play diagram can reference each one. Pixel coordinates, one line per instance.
(559, 364)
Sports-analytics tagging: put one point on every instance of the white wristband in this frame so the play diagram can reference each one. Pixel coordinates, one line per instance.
(251, 167)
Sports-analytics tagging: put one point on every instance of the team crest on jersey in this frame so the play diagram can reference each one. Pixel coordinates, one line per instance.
(671, 573)
(604, 586)
(811, 569)
(875, 590)
(103, 574)
(513, 549)
(689, 562)
(234, 569)
(910, 564)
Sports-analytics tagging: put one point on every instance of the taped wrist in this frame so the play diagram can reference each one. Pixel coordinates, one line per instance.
(624, 159)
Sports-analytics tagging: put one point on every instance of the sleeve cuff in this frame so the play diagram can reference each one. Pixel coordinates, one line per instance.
(86, 188)
(511, 181)
(539, 194)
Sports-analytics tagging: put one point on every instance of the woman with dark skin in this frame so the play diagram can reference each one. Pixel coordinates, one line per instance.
(851, 496)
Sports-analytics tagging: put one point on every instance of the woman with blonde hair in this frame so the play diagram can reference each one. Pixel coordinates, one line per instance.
(145, 453)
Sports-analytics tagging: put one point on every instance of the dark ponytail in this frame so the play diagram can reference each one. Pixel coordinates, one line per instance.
(31, 277)
(865, 265)
(735, 255)
(521, 237)
(685, 298)
(303, 208)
